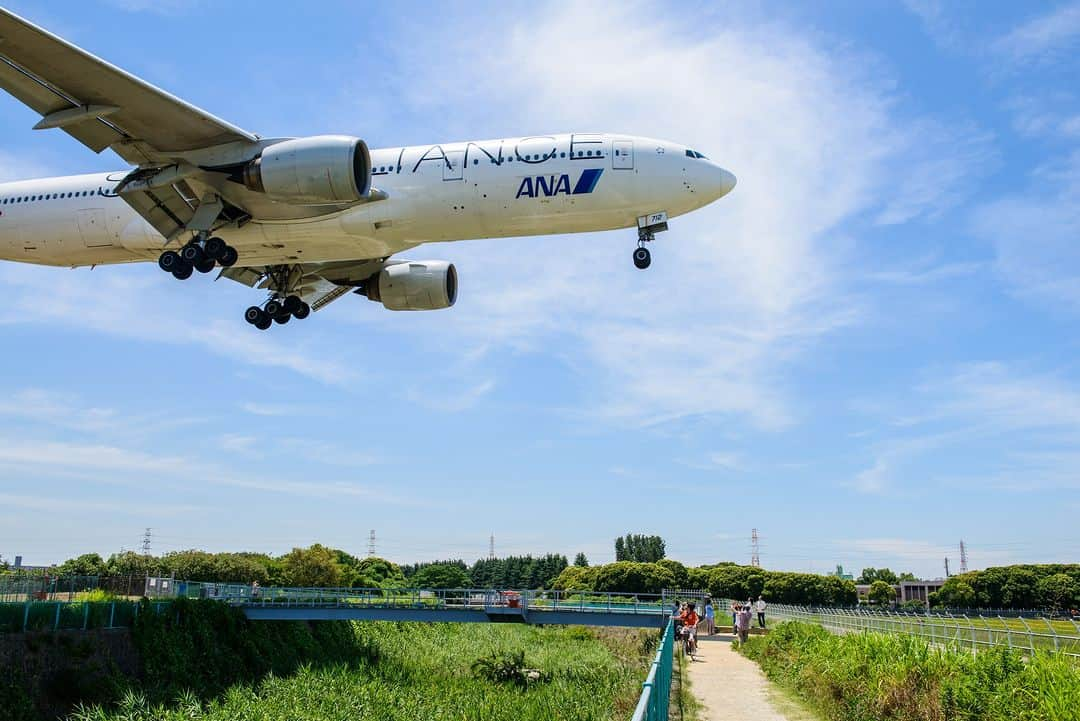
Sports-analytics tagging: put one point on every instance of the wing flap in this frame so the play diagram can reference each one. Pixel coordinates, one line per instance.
(51, 75)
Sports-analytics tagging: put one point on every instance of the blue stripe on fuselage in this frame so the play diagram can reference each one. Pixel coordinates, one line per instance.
(587, 182)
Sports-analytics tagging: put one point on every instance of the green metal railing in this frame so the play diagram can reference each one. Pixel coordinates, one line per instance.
(656, 691)
(74, 616)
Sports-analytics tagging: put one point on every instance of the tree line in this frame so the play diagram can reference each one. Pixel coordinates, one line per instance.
(1051, 586)
(722, 580)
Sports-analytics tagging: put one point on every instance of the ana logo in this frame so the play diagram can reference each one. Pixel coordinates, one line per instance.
(549, 185)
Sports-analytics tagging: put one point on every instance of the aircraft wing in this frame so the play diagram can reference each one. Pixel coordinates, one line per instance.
(317, 284)
(99, 104)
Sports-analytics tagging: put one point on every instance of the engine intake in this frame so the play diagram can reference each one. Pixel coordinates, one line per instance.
(414, 285)
(318, 170)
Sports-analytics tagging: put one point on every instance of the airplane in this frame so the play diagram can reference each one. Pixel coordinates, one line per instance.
(308, 220)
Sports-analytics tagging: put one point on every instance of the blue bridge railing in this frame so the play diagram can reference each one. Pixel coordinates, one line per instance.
(656, 691)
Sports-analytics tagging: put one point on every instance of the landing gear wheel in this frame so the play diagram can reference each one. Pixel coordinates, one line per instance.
(273, 308)
(205, 265)
(282, 318)
(229, 257)
(192, 253)
(254, 314)
(169, 261)
(183, 271)
(302, 312)
(292, 304)
(642, 258)
(263, 323)
(215, 248)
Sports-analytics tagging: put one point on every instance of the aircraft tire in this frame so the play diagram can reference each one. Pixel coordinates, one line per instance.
(273, 308)
(263, 323)
(169, 261)
(229, 257)
(292, 304)
(215, 248)
(302, 312)
(642, 258)
(205, 265)
(253, 315)
(183, 271)
(192, 253)
(282, 318)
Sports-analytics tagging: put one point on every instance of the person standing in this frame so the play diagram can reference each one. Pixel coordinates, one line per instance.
(761, 612)
(734, 617)
(710, 617)
(743, 623)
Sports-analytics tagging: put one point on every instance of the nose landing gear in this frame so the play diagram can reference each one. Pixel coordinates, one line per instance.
(648, 227)
(201, 255)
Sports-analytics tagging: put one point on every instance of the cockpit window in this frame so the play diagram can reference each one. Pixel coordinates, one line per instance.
(695, 154)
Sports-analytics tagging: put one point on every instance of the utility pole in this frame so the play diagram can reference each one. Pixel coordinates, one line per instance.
(491, 548)
(755, 549)
(146, 542)
(963, 557)
(371, 544)
(946, 566)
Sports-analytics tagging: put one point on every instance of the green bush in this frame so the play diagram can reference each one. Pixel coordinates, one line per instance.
(892, 677)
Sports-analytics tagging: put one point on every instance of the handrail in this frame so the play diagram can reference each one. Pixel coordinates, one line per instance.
(656, 691)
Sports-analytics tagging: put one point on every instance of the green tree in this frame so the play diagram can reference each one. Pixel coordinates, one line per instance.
(312, 567)
(441, 575)
(881, 593)
(631, 577)
(679, 571)
(576, 578)
(1058, 592)
(581, 560)
(88, 564)
(620, 549)
(869, 575)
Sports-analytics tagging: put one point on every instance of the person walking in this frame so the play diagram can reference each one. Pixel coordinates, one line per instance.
(743, 623)
(761, 612)
(710, 618)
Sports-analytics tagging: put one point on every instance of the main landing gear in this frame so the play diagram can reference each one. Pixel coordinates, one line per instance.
(200, 255)
(277, 311)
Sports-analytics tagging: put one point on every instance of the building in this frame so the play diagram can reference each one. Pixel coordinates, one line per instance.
(839, 573)
(905, 590)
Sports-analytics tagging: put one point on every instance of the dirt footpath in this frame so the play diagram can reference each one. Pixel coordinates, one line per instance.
(730, 685)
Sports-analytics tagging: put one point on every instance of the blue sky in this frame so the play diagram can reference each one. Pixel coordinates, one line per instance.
(867, 351)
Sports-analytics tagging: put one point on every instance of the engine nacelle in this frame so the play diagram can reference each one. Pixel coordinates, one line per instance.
(313, 171)
(414, 285)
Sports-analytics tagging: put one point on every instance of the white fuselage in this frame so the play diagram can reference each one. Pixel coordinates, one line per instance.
(455, 191)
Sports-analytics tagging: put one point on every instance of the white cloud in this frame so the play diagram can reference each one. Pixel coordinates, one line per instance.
(943, 162)
(126, 304)
(1044, 38)
(446, 397)
(158, 7)
(1034, 232)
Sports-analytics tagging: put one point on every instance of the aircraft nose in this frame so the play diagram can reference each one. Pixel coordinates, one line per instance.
(725, 181)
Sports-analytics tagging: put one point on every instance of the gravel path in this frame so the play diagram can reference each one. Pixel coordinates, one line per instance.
(731, 687)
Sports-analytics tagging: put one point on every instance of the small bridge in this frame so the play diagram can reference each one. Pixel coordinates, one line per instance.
(450, 605)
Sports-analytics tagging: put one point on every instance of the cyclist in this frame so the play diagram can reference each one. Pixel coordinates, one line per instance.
(689, 620)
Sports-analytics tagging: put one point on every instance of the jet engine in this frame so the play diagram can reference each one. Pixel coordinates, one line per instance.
(414, 285)
(318, 170)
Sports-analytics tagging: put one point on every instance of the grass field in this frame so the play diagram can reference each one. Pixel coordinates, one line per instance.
(1032, 634)
(424, 671)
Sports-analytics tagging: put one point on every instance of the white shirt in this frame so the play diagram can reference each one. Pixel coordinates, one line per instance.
(761, 606)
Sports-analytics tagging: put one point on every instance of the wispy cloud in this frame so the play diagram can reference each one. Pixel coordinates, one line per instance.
(1034, 232)
(1044, 38)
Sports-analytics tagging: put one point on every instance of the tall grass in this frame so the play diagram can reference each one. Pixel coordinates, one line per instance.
(399, 672)
(892, 677)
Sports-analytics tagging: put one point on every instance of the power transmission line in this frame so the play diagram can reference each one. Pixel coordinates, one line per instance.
(371, 544)
(755, 549)
(963, 557)
(146, 542)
